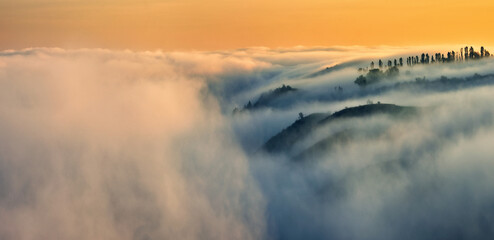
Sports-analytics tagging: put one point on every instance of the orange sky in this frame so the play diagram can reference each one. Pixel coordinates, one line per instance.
(228, 24)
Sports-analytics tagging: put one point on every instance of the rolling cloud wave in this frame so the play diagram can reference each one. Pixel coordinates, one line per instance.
(143, 145)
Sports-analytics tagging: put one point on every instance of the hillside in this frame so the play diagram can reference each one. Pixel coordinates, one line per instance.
(301, 128)
(267, 99)
(290, 135)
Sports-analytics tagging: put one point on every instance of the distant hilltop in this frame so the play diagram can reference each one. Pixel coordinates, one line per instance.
(464, 55)
(374, 74)
(267, 98)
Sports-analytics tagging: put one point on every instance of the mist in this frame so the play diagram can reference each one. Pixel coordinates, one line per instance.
(100, 144)
(118, 145)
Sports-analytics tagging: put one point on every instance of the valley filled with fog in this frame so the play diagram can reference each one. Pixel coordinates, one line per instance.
(253, 143)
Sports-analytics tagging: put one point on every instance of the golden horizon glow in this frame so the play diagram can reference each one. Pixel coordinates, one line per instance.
(229, 24)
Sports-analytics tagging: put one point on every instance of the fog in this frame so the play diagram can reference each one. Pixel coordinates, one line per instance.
(118, 145)
(100, 144)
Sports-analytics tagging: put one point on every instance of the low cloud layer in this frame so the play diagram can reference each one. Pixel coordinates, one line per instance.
(100, 144)
(118, 145)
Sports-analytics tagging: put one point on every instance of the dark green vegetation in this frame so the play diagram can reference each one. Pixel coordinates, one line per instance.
(298, 130)
(415, 85)
(267, 98)
(297, 139)
(441, 84)
(288, 137)
(371, 109)
(375, 75)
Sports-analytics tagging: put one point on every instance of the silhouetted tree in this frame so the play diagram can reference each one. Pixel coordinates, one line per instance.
(482, 52)
(392, 72)
(395, 63)
(476, 55)
(389, 63)
(380, 63)
(361, 80)
(372, 65)
(249, 105)
(300, 116)
(401, 62)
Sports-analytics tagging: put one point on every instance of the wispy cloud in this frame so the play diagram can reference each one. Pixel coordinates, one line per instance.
(111, 145)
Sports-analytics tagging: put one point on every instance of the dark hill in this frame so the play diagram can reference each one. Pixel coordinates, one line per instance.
(342, 137)
(267, 99)
(286, 139)
(371, 109)
(290, 135)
